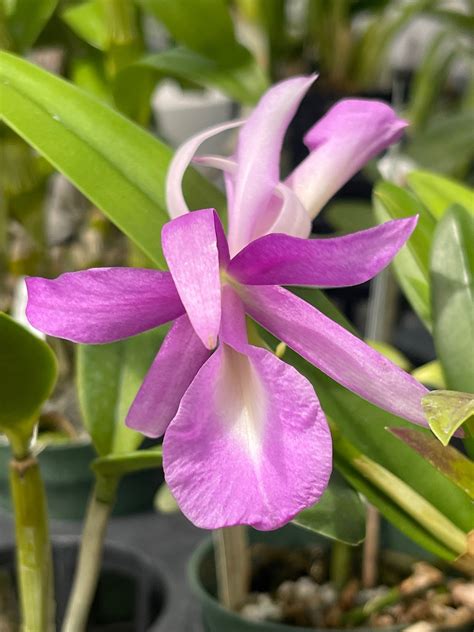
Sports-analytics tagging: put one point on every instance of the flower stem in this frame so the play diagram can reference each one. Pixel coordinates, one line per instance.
(341, 564)
(90, 555)
(34, 565)
(232, 565)
(370, 556)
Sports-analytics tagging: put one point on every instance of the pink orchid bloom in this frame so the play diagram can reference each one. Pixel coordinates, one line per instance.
(245, 439)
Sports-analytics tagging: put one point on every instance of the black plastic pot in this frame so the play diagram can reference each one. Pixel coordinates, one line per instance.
(130, 596)
(216, 618)
(68, 479)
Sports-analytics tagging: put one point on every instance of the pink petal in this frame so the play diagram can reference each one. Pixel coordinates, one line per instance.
(258, 160)
(335, 351)
(102, 304)
(250, 443)
(193, 244)
(181, 356)
(292, 218)
(337, 262)
(348, 136)
(184, 154)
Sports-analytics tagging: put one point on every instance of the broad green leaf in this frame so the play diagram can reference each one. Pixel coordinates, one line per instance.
(108, 378)
(27, 376)
(411, 265)
(26, 19)
(402, 494)
(446, 411)
(430, 374)
(339, 514)
(204, 26)
(116, 164)
(114, 465)
(449, 461)
(88, 21)
(452, 291)
(438, 193)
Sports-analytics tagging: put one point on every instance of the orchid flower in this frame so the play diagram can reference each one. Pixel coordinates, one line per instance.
(245, 438)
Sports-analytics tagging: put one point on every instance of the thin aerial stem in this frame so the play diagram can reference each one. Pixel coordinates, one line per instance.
(341, 564)
(90, 555)
(34, 564)
(232, 565)
(380, 319)
(371, 548)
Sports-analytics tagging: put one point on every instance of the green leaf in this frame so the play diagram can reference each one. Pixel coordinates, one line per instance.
(243, 82)
(447, 143)
(114, 465)
(26, 20)
(116, 164)
(393, 513)
(402, 494)
(446, 411)
(108, 378)
(371, 49)
(204, 26)
(430, 374)
(438, 193)
(455, 18)
(452, 289)
(411, 265)
(429, 80)
(449, 461)
(339, 514)
(88, 22)
(28, 373)
(88, 73)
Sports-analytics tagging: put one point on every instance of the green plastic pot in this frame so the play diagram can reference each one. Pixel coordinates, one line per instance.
(68, 479)
(216, 618)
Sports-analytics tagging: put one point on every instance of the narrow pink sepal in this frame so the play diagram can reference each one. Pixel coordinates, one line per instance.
(353, 132)
(191, 248)
(335, 351)
(334, 262)
(179, 359)
(102, 304)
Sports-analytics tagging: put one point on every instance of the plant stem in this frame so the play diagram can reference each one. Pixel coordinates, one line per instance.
(341, 560)
(371, 548)
(90, 554)
(380, 321)
(34, 565)
(232, 565)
